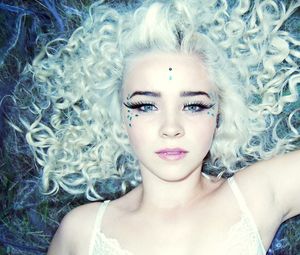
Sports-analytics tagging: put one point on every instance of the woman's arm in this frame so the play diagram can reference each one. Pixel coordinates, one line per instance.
(278, 179)
(284, 174)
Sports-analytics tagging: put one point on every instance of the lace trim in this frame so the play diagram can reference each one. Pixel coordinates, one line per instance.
(243, 239)
(243, 236)
(108, 246)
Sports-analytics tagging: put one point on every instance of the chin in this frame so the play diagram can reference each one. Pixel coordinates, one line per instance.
(172, 174)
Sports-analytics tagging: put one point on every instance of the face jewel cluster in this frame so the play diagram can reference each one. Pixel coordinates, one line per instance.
(130, 114)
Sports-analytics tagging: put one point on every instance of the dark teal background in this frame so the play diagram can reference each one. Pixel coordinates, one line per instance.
(27, 218)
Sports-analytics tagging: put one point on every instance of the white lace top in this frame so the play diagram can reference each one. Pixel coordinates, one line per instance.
(243, 237)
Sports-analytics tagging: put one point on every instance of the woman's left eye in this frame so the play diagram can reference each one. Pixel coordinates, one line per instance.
(196, 107)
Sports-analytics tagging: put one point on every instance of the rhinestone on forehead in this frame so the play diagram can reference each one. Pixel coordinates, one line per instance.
(170, 77)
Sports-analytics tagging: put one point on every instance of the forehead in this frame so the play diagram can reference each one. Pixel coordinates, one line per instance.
(152, 71)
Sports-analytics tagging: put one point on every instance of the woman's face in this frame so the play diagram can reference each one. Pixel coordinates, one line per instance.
(169, 109)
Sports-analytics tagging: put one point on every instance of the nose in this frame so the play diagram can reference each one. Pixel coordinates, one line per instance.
(171, 128)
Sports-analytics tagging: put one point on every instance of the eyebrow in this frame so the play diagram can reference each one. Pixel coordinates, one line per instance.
(158, 94)
(193, 93)
(145, 93)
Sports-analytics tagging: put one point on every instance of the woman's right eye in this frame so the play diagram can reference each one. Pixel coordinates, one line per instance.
(141, 107)
(147, 108)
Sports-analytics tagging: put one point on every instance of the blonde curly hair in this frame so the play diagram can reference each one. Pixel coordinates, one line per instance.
(78, 138)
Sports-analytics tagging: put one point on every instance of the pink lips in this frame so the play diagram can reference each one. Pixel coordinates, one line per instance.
(171, 154)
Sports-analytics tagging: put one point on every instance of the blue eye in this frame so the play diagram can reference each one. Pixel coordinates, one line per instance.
(141, 106)
(147, 108)
(196, 107)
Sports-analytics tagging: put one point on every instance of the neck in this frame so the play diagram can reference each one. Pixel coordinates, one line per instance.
(162, 196)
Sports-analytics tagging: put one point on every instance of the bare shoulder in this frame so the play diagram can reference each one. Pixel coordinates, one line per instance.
(75, 230)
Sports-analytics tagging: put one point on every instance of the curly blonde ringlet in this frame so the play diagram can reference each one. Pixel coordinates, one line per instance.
(80, 138)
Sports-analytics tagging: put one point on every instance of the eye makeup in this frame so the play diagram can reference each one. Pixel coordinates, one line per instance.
(192, 107)
(213, 110)
(198, 106)
(141, 106)
(130, 114)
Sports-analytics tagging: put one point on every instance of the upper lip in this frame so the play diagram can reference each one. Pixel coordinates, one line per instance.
(171, 150)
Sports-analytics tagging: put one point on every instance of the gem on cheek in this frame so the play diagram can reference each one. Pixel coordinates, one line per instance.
(213, 109)
(130, 114)
(129, 117)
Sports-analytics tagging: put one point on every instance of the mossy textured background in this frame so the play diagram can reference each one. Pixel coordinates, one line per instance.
(28, 219)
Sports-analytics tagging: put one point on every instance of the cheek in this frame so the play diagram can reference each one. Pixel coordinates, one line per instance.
(138, 131)
(139, 139)
(203, 129)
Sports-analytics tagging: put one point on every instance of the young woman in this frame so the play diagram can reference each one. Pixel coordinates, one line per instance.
(184, 97)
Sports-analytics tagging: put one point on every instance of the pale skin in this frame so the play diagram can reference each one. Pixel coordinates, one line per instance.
(176, 210)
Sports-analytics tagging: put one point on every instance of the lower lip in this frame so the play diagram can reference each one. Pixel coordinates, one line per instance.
(174, 156)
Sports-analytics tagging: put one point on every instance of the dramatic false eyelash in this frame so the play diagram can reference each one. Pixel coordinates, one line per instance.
(135, 105)
(201, 104)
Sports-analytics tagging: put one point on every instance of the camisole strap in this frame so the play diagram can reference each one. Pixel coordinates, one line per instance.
(97, 225)
(238, 195)
(244, 208)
